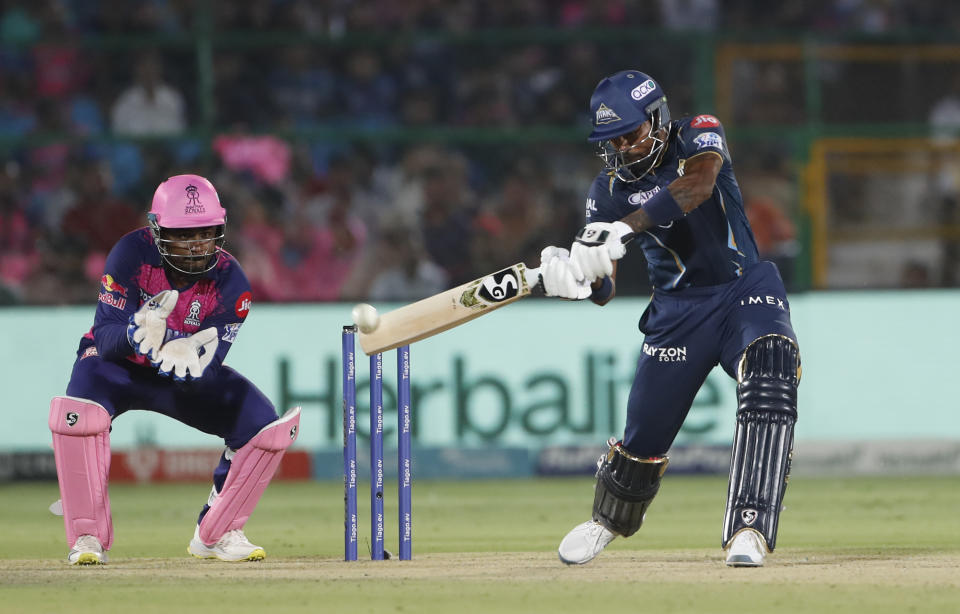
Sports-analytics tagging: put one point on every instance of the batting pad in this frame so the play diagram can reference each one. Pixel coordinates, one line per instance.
(251, 470)
(769, 374)
(81, 447)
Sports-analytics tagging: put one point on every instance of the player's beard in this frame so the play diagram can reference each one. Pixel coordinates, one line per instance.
(190, 265)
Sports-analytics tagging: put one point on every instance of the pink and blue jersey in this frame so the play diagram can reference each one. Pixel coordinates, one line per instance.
(134, 272)
(107, 371)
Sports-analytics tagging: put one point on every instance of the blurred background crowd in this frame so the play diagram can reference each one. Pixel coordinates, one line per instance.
(384, 150)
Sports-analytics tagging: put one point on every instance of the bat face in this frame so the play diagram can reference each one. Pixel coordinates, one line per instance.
(451, 308)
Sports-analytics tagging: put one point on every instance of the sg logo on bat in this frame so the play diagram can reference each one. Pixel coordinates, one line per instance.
(494, 288)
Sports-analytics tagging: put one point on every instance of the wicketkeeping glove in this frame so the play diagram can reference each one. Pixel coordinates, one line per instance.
(597, 245)
(148, 326)
(187, 357)
(560, 276)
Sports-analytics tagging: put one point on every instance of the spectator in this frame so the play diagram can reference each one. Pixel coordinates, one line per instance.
(405, 273)
(447, 217)
(149, 106)
(302, 87)
(98, 217)
(18, 254)
(257, 239)
(315, 262)
(59, 277)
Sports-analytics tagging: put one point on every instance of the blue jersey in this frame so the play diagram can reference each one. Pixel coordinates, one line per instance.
(712, 244)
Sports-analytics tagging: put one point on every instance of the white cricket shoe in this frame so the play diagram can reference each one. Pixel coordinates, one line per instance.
(87, 551)
(584, 542)
(748, 549)
(233, 546)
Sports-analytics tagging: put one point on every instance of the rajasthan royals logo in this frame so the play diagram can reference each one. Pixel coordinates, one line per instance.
(193, 200)
(194, 316)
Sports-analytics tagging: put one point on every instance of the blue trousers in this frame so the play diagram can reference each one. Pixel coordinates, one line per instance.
(688, 332)
(223, 403)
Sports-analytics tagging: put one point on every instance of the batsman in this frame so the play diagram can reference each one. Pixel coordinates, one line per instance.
(670, 186)
(170, 306)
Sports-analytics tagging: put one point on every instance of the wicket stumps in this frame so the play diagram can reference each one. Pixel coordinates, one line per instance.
(404, 485)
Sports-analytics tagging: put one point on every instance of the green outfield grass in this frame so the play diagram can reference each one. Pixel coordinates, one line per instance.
(845, 545)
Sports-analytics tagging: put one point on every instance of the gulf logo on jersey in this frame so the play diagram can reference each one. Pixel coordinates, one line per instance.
(109, 285)
(242, 307)
(704, 121)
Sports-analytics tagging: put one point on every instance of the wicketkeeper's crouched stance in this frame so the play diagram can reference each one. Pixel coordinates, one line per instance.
(670, 186)
(171, 304)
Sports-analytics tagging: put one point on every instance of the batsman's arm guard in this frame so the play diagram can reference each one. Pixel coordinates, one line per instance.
(81, 448)
(626, 485)
(251, 469)
(768, 376)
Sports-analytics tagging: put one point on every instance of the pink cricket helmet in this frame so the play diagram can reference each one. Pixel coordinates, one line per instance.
(187, 201)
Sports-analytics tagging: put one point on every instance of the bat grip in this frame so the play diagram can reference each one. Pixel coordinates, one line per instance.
(535, 281)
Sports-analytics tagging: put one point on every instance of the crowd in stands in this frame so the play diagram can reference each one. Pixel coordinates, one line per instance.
(312, 138)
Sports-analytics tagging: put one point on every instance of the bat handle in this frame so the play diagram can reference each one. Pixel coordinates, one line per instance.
(533, 278)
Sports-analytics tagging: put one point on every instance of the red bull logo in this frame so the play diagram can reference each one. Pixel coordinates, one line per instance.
(108, 299)
(109, 285)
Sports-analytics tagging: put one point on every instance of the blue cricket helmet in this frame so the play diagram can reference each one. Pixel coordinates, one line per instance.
(620, 104)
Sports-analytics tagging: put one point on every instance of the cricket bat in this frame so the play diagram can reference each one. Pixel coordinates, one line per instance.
(450, 308)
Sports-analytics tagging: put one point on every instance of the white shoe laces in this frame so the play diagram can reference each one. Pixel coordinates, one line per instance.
(234, 538)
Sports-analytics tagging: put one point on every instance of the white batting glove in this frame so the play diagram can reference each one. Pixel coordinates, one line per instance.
(187, 357)
(597, 245)
(148, 326)
(561, 276)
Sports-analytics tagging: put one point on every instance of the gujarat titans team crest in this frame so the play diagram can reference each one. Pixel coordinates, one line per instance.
(193, 200)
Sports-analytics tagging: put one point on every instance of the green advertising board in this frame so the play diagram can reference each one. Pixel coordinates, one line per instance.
(876, 365)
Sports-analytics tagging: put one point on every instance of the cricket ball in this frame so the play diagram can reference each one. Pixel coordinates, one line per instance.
(366, 317)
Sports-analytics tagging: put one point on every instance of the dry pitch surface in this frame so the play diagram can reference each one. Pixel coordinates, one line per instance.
(846, 546)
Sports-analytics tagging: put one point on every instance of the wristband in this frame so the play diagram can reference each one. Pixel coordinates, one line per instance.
(604, 291)
(662, 208)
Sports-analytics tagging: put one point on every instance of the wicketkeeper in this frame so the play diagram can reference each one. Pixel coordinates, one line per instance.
(171, 304)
